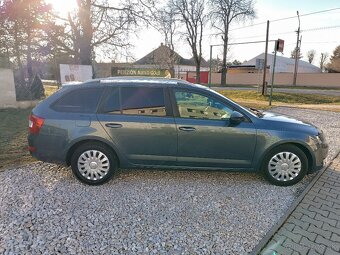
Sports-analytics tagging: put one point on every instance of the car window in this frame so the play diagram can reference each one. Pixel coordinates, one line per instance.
(83, 100)
(197, 106)
(143, 101)
(111, 103)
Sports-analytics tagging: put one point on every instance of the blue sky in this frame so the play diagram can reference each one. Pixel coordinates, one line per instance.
(321, 40)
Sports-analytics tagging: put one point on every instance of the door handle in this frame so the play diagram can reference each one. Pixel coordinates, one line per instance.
(113, 125)
(188, 129)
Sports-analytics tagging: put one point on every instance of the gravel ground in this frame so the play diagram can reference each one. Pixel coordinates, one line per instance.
(45, 210)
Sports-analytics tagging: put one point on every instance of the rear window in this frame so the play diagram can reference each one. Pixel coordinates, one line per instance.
(79, 100)
(143, 101)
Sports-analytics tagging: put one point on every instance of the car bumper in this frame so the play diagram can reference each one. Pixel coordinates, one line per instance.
(320, 153)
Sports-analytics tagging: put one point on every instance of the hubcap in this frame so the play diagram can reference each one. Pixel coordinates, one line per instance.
(93, 165)
(284, 166)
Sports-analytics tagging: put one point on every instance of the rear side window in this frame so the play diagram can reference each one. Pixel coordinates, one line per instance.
(143, 101)
(79, 100)
(111, 103)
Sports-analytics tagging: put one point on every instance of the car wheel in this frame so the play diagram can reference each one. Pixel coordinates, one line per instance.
(93, 163)
(285, 165)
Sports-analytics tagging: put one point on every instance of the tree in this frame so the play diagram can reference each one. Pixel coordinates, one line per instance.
(97, 24)
(323, 59)
(22, 37)
(293, 54)
(193, 16)
(223, 14)
(334, 62)
(311, 55)
(167, 24)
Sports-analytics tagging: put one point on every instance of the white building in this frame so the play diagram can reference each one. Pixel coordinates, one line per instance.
(284, 65)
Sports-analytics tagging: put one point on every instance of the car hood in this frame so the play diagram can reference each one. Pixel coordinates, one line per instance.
(283, 118)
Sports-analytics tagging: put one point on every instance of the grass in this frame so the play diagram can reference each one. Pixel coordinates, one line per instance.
(13, 134)
(13, 138)
(255, 99)
(50, 89)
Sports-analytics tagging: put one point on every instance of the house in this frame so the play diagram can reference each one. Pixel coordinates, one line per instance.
(283, 64)
(163, 58)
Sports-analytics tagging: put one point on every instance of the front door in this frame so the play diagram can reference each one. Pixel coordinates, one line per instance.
(206, 137)
(140, 126)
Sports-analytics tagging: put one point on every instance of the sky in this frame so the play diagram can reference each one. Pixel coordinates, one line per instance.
(320, 32)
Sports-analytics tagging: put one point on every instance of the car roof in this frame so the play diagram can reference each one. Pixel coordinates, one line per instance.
(122, 80)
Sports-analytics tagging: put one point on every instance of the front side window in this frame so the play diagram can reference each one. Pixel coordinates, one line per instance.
(83, 100)
(143, 101)
(197, 106)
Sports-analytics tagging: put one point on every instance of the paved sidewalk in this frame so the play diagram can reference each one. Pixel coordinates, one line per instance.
(314, 225)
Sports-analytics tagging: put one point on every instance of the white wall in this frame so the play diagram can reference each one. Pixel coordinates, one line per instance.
(7, 89)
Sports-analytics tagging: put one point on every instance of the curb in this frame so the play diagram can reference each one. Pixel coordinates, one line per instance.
(263, 242)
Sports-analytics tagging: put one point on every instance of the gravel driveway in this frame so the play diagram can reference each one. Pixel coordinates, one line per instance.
(45, 210)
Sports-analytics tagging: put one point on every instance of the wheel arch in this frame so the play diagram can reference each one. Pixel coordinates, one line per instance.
(76, 144)
(301, 146)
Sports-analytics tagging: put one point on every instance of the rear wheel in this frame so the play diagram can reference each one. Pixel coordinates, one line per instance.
(285, 165)
(93, 163)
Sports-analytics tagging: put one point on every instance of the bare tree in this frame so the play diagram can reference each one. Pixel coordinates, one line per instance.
(167, 24)
(193, 16)
(97, 24)
(323, 59)
(223, 13)
(311, 56)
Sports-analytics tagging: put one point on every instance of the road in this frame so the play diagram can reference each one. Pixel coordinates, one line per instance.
(327, 92)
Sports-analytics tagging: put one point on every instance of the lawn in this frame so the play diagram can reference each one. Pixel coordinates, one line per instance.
(255, 99)
(13, 137)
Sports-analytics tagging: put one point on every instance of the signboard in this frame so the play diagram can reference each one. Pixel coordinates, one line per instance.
(75, 73)
(280, 45)
(259, 63)
(122, 71)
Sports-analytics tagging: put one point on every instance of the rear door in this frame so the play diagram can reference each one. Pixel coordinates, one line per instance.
(139, 122)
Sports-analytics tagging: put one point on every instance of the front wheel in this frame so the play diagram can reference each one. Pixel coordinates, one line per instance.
(285, 165)
(93, 163)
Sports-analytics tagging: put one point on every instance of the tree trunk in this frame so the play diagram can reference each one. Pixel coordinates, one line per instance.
(85, 48)
(198, 72)
(18, 55)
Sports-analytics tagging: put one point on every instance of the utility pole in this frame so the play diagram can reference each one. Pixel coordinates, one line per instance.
(211, 46)
(273, 73)
(297, 51)
(265, 60)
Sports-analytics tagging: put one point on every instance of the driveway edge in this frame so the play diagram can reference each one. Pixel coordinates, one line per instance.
(263, 242)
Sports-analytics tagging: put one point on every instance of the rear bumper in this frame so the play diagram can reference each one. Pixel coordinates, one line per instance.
(38, 149)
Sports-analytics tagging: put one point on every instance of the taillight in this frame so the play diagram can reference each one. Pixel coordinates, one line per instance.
(35, 123)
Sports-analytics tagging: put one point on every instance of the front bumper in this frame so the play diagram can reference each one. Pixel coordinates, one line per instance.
(320, 152)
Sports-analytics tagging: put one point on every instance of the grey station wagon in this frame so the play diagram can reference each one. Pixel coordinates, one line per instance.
(102, 125)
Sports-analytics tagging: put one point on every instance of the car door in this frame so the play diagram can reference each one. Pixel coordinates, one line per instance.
(206, 138)
(138, 120)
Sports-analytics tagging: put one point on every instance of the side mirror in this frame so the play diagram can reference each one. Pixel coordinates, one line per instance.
(236, 117)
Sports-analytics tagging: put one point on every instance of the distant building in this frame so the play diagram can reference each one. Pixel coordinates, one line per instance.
(283, 65)
(162, 57)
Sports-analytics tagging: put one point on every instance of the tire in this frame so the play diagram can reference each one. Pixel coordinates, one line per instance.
(93, 163)
(285, 165)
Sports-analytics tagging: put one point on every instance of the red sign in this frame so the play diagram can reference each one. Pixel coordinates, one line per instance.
(279, 45)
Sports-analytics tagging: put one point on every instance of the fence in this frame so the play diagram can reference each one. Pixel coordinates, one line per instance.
(329, 80)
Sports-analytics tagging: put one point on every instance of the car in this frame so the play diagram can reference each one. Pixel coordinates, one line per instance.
(102, 125)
